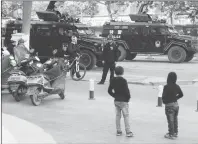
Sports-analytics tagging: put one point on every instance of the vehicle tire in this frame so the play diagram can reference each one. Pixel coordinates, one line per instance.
(62, 95)
(131, 56)
(35, 100)
(99, 64)
(81, 68)
(88, 59)
(176, 54)
(122, 53)
(189, 57)
(16, 96)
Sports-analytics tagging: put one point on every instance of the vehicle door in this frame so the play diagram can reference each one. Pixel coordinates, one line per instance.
(145, 38)
(156, 39)
(133, 39)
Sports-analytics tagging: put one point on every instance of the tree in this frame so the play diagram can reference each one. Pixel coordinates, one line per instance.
(115, 7)
(76, 8)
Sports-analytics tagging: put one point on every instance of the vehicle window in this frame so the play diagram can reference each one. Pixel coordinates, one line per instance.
(134, 30)
(158, 30)
(145, 31)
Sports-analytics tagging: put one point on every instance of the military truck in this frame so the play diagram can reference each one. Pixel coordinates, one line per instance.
(144, 36)
(52, 32)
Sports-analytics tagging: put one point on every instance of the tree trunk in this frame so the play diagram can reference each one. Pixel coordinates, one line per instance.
(109, 10)
(171, 17)
(27, 9)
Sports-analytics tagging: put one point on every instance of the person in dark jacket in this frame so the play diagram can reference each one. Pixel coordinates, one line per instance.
(171, 93)
(73, 48)
(119, 90)
(110, 57)
(11, 46)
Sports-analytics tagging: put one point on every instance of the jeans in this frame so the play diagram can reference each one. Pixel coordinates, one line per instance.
(106, 68)
(124, 108)
(171, 114)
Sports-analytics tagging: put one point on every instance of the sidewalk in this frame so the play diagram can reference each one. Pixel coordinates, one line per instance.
(140, 79)
(18, 131)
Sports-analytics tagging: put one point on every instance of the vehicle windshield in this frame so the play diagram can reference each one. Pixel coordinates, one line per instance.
(172, 30)
(85, 31)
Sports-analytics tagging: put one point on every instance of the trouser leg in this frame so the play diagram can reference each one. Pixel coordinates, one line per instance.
(105, 71)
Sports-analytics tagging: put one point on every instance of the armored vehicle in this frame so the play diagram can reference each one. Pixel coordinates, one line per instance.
(145, 36)
(52, 32)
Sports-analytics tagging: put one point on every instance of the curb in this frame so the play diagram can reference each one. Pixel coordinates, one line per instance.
(159, 83)
(14, 132)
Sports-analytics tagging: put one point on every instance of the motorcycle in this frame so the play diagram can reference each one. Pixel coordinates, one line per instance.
(17, 82)
(47, 83)
(75, 67)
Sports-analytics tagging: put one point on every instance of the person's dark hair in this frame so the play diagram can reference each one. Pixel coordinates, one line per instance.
(119, 70)
(172, 78)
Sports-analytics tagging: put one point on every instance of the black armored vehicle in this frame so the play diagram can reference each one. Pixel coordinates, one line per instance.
(145, 36)
(53, 32)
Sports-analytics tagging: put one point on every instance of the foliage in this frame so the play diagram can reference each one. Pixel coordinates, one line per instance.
(76, 8)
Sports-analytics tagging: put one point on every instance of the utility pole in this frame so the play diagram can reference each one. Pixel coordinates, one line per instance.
(27, 9)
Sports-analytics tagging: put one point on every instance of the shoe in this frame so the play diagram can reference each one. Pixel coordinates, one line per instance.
(169, 136)
(175, 135)
(119, 133)
(78, 75)
(129, 134)
(101, 82)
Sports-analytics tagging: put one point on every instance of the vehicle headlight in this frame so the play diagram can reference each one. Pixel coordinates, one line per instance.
(13, 63)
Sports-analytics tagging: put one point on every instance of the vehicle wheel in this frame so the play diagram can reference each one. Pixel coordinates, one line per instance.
(16, 96)
(82, 72)
(189, 57)
(122, 53)
(176, 54)
(99, 64)
(62, 95)
(35, 100)
(131, 56)
(88, 59)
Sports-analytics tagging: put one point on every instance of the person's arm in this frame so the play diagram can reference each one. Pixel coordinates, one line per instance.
(116, 52)
(110, 90)
(180, 93)
(127, 90)
(104, 52)
(164, 95)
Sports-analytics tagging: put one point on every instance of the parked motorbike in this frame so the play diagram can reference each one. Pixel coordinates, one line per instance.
(77, 69)
(17, 82)
(47, 83)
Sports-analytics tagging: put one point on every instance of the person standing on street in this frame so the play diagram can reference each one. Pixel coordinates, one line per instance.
(171, 93)
(20, 51)
(110, 57)
(119, 90)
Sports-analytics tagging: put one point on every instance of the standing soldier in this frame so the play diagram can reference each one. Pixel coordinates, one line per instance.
(110, 57)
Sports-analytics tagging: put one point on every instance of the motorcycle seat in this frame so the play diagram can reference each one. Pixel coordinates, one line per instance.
(18, 72)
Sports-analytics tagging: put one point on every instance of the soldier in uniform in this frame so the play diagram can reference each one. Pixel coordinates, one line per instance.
(110, 57)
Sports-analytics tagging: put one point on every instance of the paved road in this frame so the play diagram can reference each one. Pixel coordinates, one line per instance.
(159, 67)
(79, 120)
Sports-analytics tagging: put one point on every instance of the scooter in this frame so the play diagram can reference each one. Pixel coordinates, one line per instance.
(17, 82)
(47, 83)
